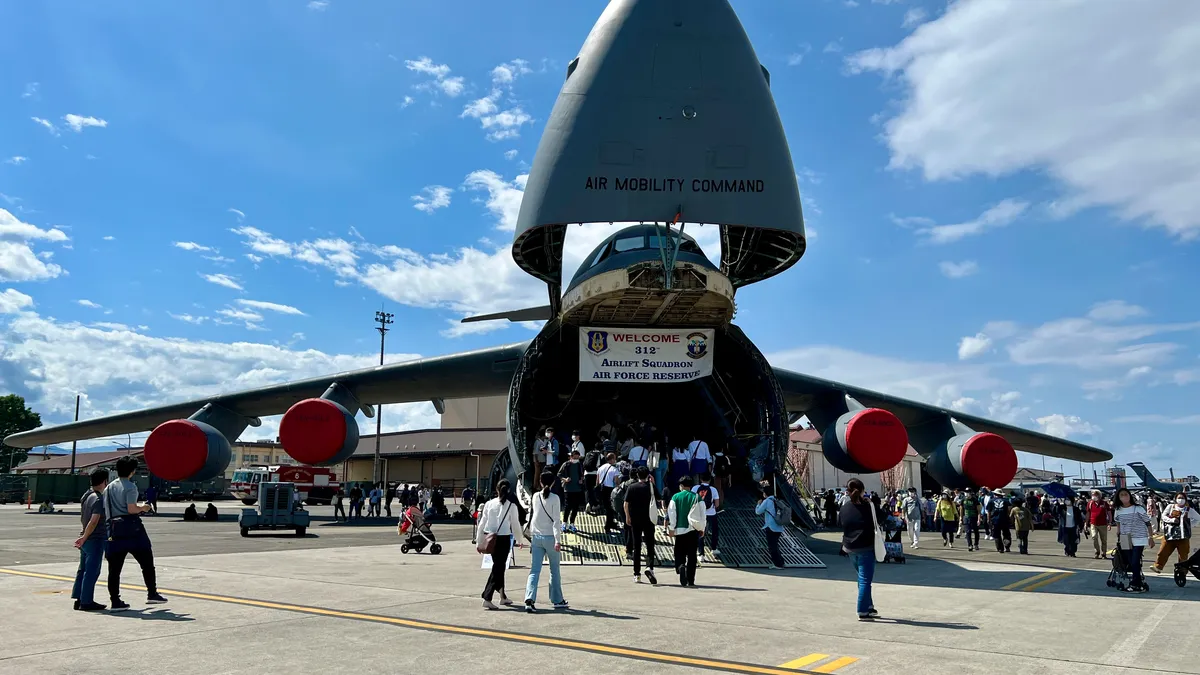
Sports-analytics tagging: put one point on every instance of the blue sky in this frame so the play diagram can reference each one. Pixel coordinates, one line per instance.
(207, 196)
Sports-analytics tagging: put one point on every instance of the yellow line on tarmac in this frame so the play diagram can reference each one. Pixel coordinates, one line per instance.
(834, 665)
(1047, 581)
(804, 661)
(1029, 580)
(578, 645)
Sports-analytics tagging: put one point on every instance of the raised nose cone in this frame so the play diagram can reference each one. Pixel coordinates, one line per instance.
(666, 112)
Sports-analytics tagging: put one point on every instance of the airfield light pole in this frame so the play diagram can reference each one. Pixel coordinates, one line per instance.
(383, 319)
(73, 442)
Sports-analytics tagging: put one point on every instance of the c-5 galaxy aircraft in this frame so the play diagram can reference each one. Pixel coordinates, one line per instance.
(666, 118)
(1150, 482)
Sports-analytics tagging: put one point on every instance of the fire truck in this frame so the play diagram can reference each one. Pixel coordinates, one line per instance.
(315, 484)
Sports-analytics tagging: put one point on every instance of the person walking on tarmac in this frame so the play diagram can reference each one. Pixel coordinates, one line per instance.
(969, 516)
(127, 535)
(607, 479)
(699, 455)
(947, 516)
(1000, 522)
(641, 514)
(1098, 517)
(1178, 518)
(685, 523)
(502, 519)
(545, 526)
(771, 527)
(913, 512)
(1022, 520)
(712, 501)
(91, 544)
(859, 518)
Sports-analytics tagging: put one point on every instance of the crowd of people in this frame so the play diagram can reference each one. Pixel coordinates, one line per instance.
(635, 477)
(378, 499)
(996, 516)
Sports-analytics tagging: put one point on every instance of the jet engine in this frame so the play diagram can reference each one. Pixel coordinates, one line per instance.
(867, 440)
(187, 450)
(973, 459)
(321, 431)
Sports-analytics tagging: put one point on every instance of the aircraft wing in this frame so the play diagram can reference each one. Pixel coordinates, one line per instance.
(802, 392)
(486, 372)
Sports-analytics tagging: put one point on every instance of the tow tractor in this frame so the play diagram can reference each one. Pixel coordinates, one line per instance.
(277, 509)
(316, 484)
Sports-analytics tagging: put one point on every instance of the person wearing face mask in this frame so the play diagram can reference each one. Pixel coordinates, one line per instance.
(1133, 536)
(548, 447)
(1178, 517)
(1098, 516)
(721, 469)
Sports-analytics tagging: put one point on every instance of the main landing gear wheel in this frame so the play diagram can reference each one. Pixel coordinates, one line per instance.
(245, 532)
(300, 531)
(404, 548)
(435, 549)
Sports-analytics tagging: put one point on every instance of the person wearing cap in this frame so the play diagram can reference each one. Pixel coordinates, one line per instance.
(1099, 517)
(1000, 523)
(570, 476)
(1022, 520)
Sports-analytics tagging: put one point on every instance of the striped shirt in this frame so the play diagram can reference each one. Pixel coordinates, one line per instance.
(1133, 521)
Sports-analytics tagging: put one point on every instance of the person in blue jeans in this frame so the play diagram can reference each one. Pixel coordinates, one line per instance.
(545, 527)
(857, 518)
(92, 544)
(771, 527)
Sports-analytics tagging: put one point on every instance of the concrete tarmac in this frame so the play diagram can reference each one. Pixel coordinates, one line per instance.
(346, 600)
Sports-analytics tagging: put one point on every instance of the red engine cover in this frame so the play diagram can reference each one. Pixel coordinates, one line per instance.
(318, 431)
(176, 450)
(876, 439)
(989, 461)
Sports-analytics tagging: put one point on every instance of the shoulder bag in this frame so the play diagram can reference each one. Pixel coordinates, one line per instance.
(488, 543)
(880, 549)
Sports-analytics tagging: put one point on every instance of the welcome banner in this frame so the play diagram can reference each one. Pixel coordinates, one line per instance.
(644, 354)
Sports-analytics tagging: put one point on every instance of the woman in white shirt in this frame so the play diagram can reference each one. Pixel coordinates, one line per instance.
(1133, 535)
(501, 517)
(545, 528)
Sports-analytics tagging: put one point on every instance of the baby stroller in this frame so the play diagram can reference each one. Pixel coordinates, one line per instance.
(893, 544)
(1120, 577)
(1192, 565)
(419, 533)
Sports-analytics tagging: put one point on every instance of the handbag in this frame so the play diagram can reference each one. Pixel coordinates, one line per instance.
(527, 528)
(488, 543)
(880, 549)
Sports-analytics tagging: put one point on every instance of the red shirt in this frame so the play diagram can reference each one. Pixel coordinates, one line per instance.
(1098, 513)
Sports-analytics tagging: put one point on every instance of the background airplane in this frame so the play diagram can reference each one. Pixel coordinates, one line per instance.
(691, 135)
(1152, 483)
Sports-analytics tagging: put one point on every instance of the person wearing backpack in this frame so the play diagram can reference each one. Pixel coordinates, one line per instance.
(685, 524)
(712, 501)
(591, 467)
(618, 505)
(771, 511)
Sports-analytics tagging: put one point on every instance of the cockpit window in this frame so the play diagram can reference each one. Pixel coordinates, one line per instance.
(599, 256)
(686, 245)
(629, 244)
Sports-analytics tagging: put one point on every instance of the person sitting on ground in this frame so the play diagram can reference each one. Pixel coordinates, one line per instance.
(210, 513)
(189, 514)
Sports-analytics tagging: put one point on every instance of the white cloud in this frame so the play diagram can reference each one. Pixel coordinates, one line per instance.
(254, 258)
(318, 5)
(223, 280)
(89, 303)
(13, 301)
(108, 237)
(110, 325)
(914, 16)
(970, 347)
(500, 124)
(18, 262)
(832, 48)
(442, 81)
(241, 315)
(408, 100)
(15, 160)
(190, 246)
(1085, 344)
(432, 198)
(506, 73)
(504, 197)
(510, 154)
(240, 216)
(1101, 96)
(271, 307)
(188, 318)
(1115, 310)
(1066, 426)
(45, 123)
(30, 90)
(953, 270)
(78, 122)
(797, 57)
(49, 361)
(998, 215)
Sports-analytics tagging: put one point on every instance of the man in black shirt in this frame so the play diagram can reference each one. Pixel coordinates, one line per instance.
(570, 476)
(638, 499)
